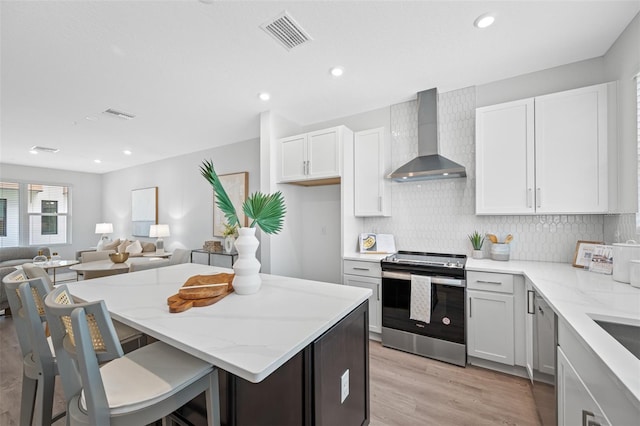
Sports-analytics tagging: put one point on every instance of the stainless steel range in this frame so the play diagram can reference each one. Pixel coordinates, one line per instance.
(443, 337)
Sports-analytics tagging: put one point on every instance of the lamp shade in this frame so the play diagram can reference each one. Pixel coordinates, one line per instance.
(104, 228)
(159, 231)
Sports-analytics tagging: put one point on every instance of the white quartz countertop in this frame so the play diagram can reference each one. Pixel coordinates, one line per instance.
(579, 296)
(366, 257)
(249, 336)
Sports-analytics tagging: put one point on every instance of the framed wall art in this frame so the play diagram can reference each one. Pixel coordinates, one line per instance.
(584, 253)
(236, 185)
(144, 210)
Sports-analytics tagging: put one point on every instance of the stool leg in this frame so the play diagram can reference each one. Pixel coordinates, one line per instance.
(212, 396)
(46, 388)
(28, 401)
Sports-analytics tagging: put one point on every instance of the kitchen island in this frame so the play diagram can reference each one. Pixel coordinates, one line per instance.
(285, 352)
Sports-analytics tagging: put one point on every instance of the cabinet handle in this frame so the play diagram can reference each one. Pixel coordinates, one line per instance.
(380, 204)
(470, 308)
(357, 268)
(308, 167)
(489, 282)
(586, 421)
(378, 286)
(530, 308)
(538, 198)
(529, 198)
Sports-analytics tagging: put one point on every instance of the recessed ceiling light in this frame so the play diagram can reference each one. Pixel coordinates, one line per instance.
(264, 96)
(337, 71)
(33, 151)
(127, 152)
(483, 21)
(97, 161)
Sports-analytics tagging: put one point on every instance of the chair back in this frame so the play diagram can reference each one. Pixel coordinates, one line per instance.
(88, 275)
(92, 256)
(180, 256)
(11, 283)
(35, 271)
(32, 294)
(83, 337)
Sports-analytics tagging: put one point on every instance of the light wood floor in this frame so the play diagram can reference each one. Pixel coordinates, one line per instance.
(406, 390)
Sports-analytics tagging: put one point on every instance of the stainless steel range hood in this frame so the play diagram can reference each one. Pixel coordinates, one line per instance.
(429, 164)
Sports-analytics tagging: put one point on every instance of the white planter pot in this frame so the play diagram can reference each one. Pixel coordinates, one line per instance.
(247, 267)
(228, 243)
(477, 254)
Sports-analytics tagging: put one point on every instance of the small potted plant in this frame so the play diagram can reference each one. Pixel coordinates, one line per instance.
(477, 240)
(230, 234)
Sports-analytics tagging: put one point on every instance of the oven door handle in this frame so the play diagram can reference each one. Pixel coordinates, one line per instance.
(434, 280)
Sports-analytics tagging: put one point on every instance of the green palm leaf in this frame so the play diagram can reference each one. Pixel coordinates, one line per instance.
(267, 211)
(222, 199)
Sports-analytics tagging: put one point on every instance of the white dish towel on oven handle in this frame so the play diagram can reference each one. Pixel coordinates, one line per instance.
(420, 309)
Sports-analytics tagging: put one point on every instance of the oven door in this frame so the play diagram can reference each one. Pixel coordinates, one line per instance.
(447, 306)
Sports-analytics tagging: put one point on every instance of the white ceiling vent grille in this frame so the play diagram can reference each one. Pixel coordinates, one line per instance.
(284, 29)
(37, 148)
(119, 114)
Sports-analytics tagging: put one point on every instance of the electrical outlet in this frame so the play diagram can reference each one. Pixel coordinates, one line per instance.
(344, 386)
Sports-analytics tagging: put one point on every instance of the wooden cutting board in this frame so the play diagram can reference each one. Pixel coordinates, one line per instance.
(201, 284)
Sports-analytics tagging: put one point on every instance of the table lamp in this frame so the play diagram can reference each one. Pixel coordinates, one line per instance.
(104, 229)
(159, 231)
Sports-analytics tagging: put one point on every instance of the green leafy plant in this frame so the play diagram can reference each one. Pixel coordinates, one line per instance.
(265, 210)
(477, 239)
(230, 230)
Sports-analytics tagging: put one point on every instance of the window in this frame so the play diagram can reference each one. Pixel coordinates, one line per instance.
(49, 220)
(34, 214)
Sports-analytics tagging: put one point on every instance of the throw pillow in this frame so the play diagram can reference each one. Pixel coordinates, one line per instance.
(123, 245)
(112, 245)
(148, 247)
(134, 248)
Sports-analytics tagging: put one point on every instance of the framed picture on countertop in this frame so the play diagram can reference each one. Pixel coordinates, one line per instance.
(584, 253)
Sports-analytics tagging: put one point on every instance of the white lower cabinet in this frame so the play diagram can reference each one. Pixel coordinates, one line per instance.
(367, 275)
(576, 405)
(490, 317)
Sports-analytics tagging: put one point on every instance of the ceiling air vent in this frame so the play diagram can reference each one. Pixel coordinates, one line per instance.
(119, 114)
(286, 30)
(37, 148)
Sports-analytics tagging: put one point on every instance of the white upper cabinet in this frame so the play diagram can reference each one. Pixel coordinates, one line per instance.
(311, 156)
(544, 155)
(372, 191)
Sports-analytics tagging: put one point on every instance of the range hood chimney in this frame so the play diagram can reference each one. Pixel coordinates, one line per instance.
(429, 164)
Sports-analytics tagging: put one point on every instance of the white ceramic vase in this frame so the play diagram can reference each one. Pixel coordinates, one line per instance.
(247, 267)
(228, 243)
(477, 254)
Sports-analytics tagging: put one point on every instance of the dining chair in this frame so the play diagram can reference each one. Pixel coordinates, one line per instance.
(140, 387)
(88, 275)
(35, 271)
(39, 367)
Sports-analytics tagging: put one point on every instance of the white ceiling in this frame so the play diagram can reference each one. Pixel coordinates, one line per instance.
(191, 70)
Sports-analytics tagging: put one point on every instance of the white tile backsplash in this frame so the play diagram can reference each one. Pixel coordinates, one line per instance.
(438, 215)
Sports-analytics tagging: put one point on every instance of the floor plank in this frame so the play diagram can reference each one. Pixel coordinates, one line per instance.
(406, 390)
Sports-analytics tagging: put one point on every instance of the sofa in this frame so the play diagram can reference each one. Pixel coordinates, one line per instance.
(121, 246)
(15, 256)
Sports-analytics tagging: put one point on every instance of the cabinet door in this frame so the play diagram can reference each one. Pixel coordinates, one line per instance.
(293, 156)
(490, 326)
(375, 304)
(370, 186)
(505, 158)
(323, 154)
(576, 405)
(571, 151)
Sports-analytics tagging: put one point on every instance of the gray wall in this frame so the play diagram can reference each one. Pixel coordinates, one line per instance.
(185, 199)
